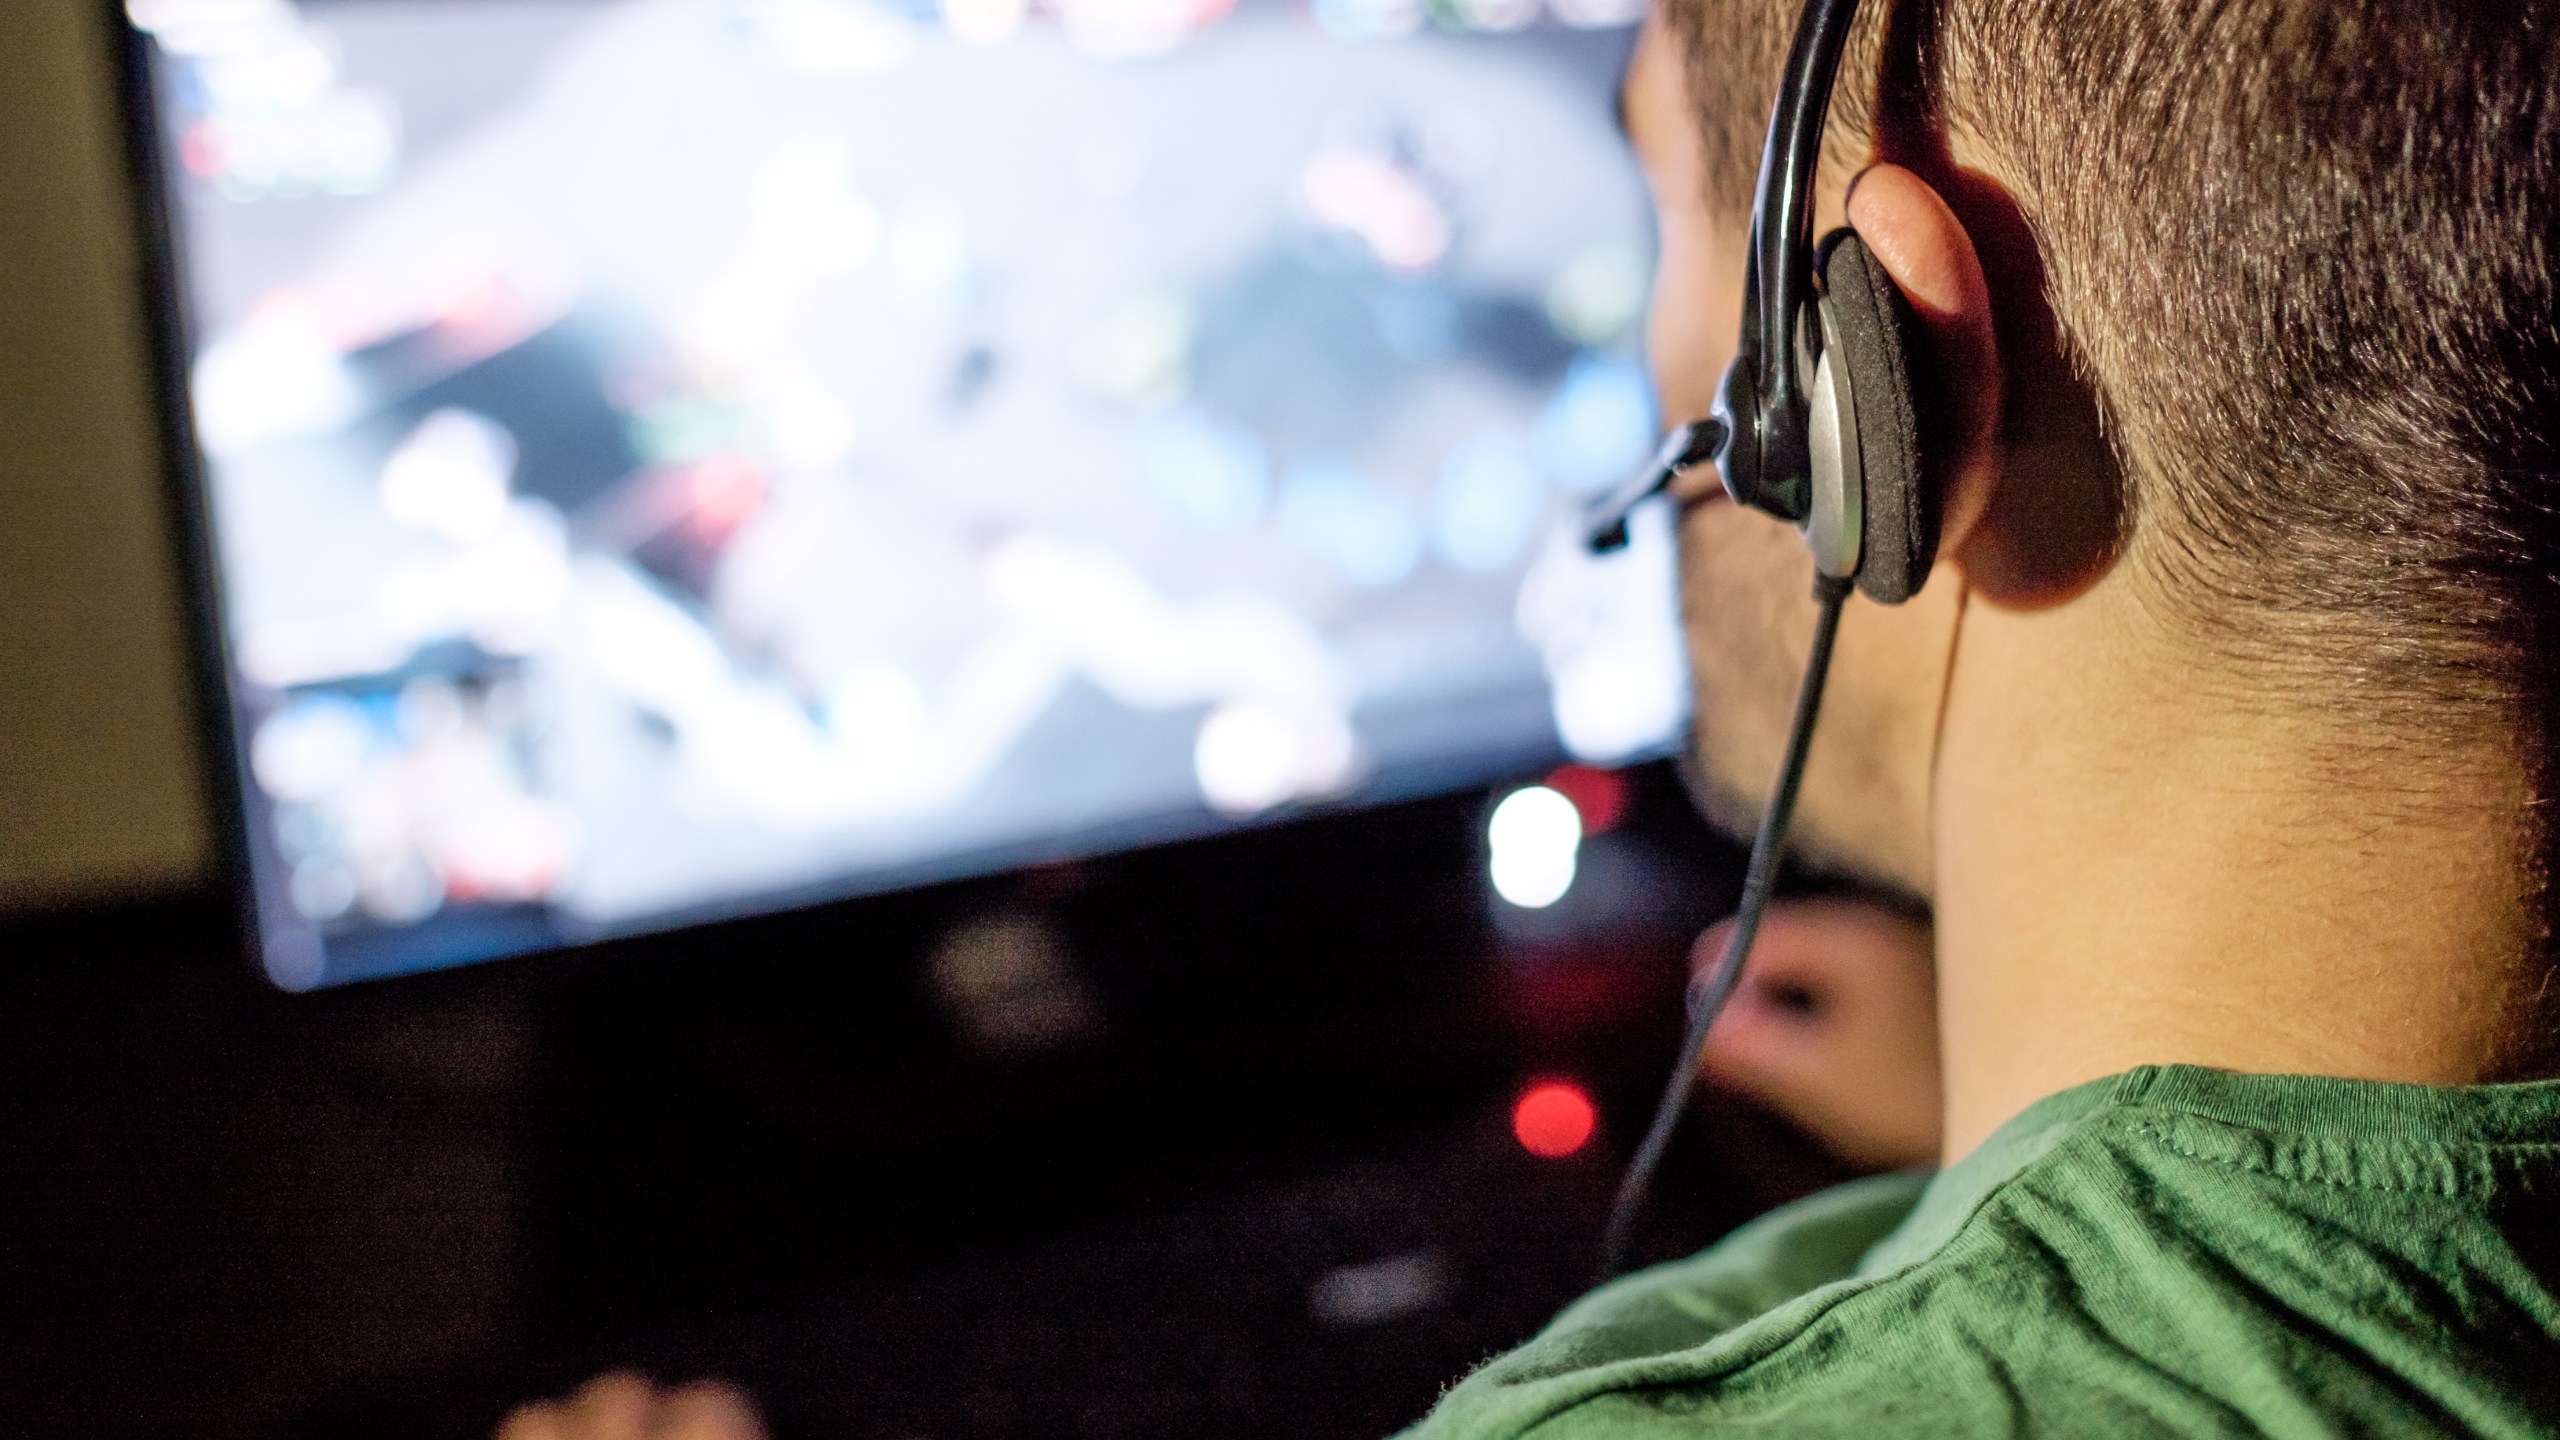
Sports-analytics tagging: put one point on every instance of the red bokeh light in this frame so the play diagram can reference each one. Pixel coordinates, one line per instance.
(200, 150)
(1598, 796)
(1553, 1119)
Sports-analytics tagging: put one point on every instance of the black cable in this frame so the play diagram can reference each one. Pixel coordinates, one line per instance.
(1709, 992)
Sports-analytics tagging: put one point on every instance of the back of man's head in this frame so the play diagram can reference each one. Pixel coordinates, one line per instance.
(2305, 255)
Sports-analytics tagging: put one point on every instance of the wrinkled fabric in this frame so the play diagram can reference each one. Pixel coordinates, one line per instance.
(2171, 1251)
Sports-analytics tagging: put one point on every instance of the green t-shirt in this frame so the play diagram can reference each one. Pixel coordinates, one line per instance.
(2171, 1251)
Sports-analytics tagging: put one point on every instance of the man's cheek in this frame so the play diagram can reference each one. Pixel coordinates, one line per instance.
(1746, 586)
(1688, 356)
(1745, 581)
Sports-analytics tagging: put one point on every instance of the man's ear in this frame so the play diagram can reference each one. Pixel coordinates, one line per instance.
(2032, 501)
(1925, 251)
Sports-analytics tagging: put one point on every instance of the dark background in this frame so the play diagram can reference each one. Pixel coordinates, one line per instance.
(788, 1151)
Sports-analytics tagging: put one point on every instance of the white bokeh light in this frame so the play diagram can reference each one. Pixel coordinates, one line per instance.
(451, 476)
(1251, 756)
(1534, 837)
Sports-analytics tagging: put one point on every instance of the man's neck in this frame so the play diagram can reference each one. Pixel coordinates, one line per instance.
(2129, 872)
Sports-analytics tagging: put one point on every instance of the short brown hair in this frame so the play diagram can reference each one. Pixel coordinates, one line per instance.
(2306, 254)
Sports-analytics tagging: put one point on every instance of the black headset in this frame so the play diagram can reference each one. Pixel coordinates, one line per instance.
(1816, 423)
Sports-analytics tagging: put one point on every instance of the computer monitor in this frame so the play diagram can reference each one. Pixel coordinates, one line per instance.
(673, 459)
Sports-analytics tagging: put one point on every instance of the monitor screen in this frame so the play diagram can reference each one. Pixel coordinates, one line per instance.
(667, 459)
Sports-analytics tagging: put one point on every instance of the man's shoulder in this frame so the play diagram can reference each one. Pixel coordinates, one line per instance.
(2167, 1261)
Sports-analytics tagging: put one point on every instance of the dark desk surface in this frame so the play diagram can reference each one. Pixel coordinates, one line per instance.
(774, 1150)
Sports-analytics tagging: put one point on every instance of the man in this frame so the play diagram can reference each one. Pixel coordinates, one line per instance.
(2219, 741)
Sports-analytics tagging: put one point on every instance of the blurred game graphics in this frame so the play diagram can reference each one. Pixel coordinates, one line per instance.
(674, 458)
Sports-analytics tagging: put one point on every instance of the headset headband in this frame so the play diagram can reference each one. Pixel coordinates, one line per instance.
(1758, 435)
(1763, 404)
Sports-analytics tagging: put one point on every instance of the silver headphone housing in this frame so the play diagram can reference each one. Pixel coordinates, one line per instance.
(1835, 524)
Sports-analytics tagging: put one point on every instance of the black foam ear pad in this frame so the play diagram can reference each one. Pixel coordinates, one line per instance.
(1886, 352)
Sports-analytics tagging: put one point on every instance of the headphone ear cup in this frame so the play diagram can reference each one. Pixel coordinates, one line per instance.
(1876, 335)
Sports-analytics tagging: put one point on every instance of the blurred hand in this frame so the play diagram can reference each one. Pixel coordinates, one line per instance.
(1836, 1028)
(625, 1407)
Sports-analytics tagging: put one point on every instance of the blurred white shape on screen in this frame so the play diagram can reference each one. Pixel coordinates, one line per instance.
(212, 27)
(926, 262)
(1599, 424)
(750, 747)
(1215, 478)
(1597, 14)
(1532, 844)
(358, 137)
(429, 711)
(1379, 201)
(827, 36)
(1598, 296)
(1365, 532)
(812, 231)
(1608, 630)
(983, 22)
(1102, 616)
(1129, 29)
(503, 845)
(879, 708)
(274, 118)
(802, 422)
(281, 654)
(504, 589)
(1368, 19)
(509, 587)
(347, 143)
(323, 889)
(1137, 352)
(1486, 502)
(289, 72)
(750, 744)
(312, 748)
(276, 377)
(1110, 165)
(1251, 756)
(400, 889)
(809, 217)
(450, 476)
(304, 830)
(1495, 16)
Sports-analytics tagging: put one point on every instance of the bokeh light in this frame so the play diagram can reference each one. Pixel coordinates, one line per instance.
(1213, 477)
(1383, 203)
(1601, 423)
(1251, 756)
(1487, 501)
(1553, 1119)
(1534, 841)
(1363, 530)
(450, 476)
(1599, 796)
